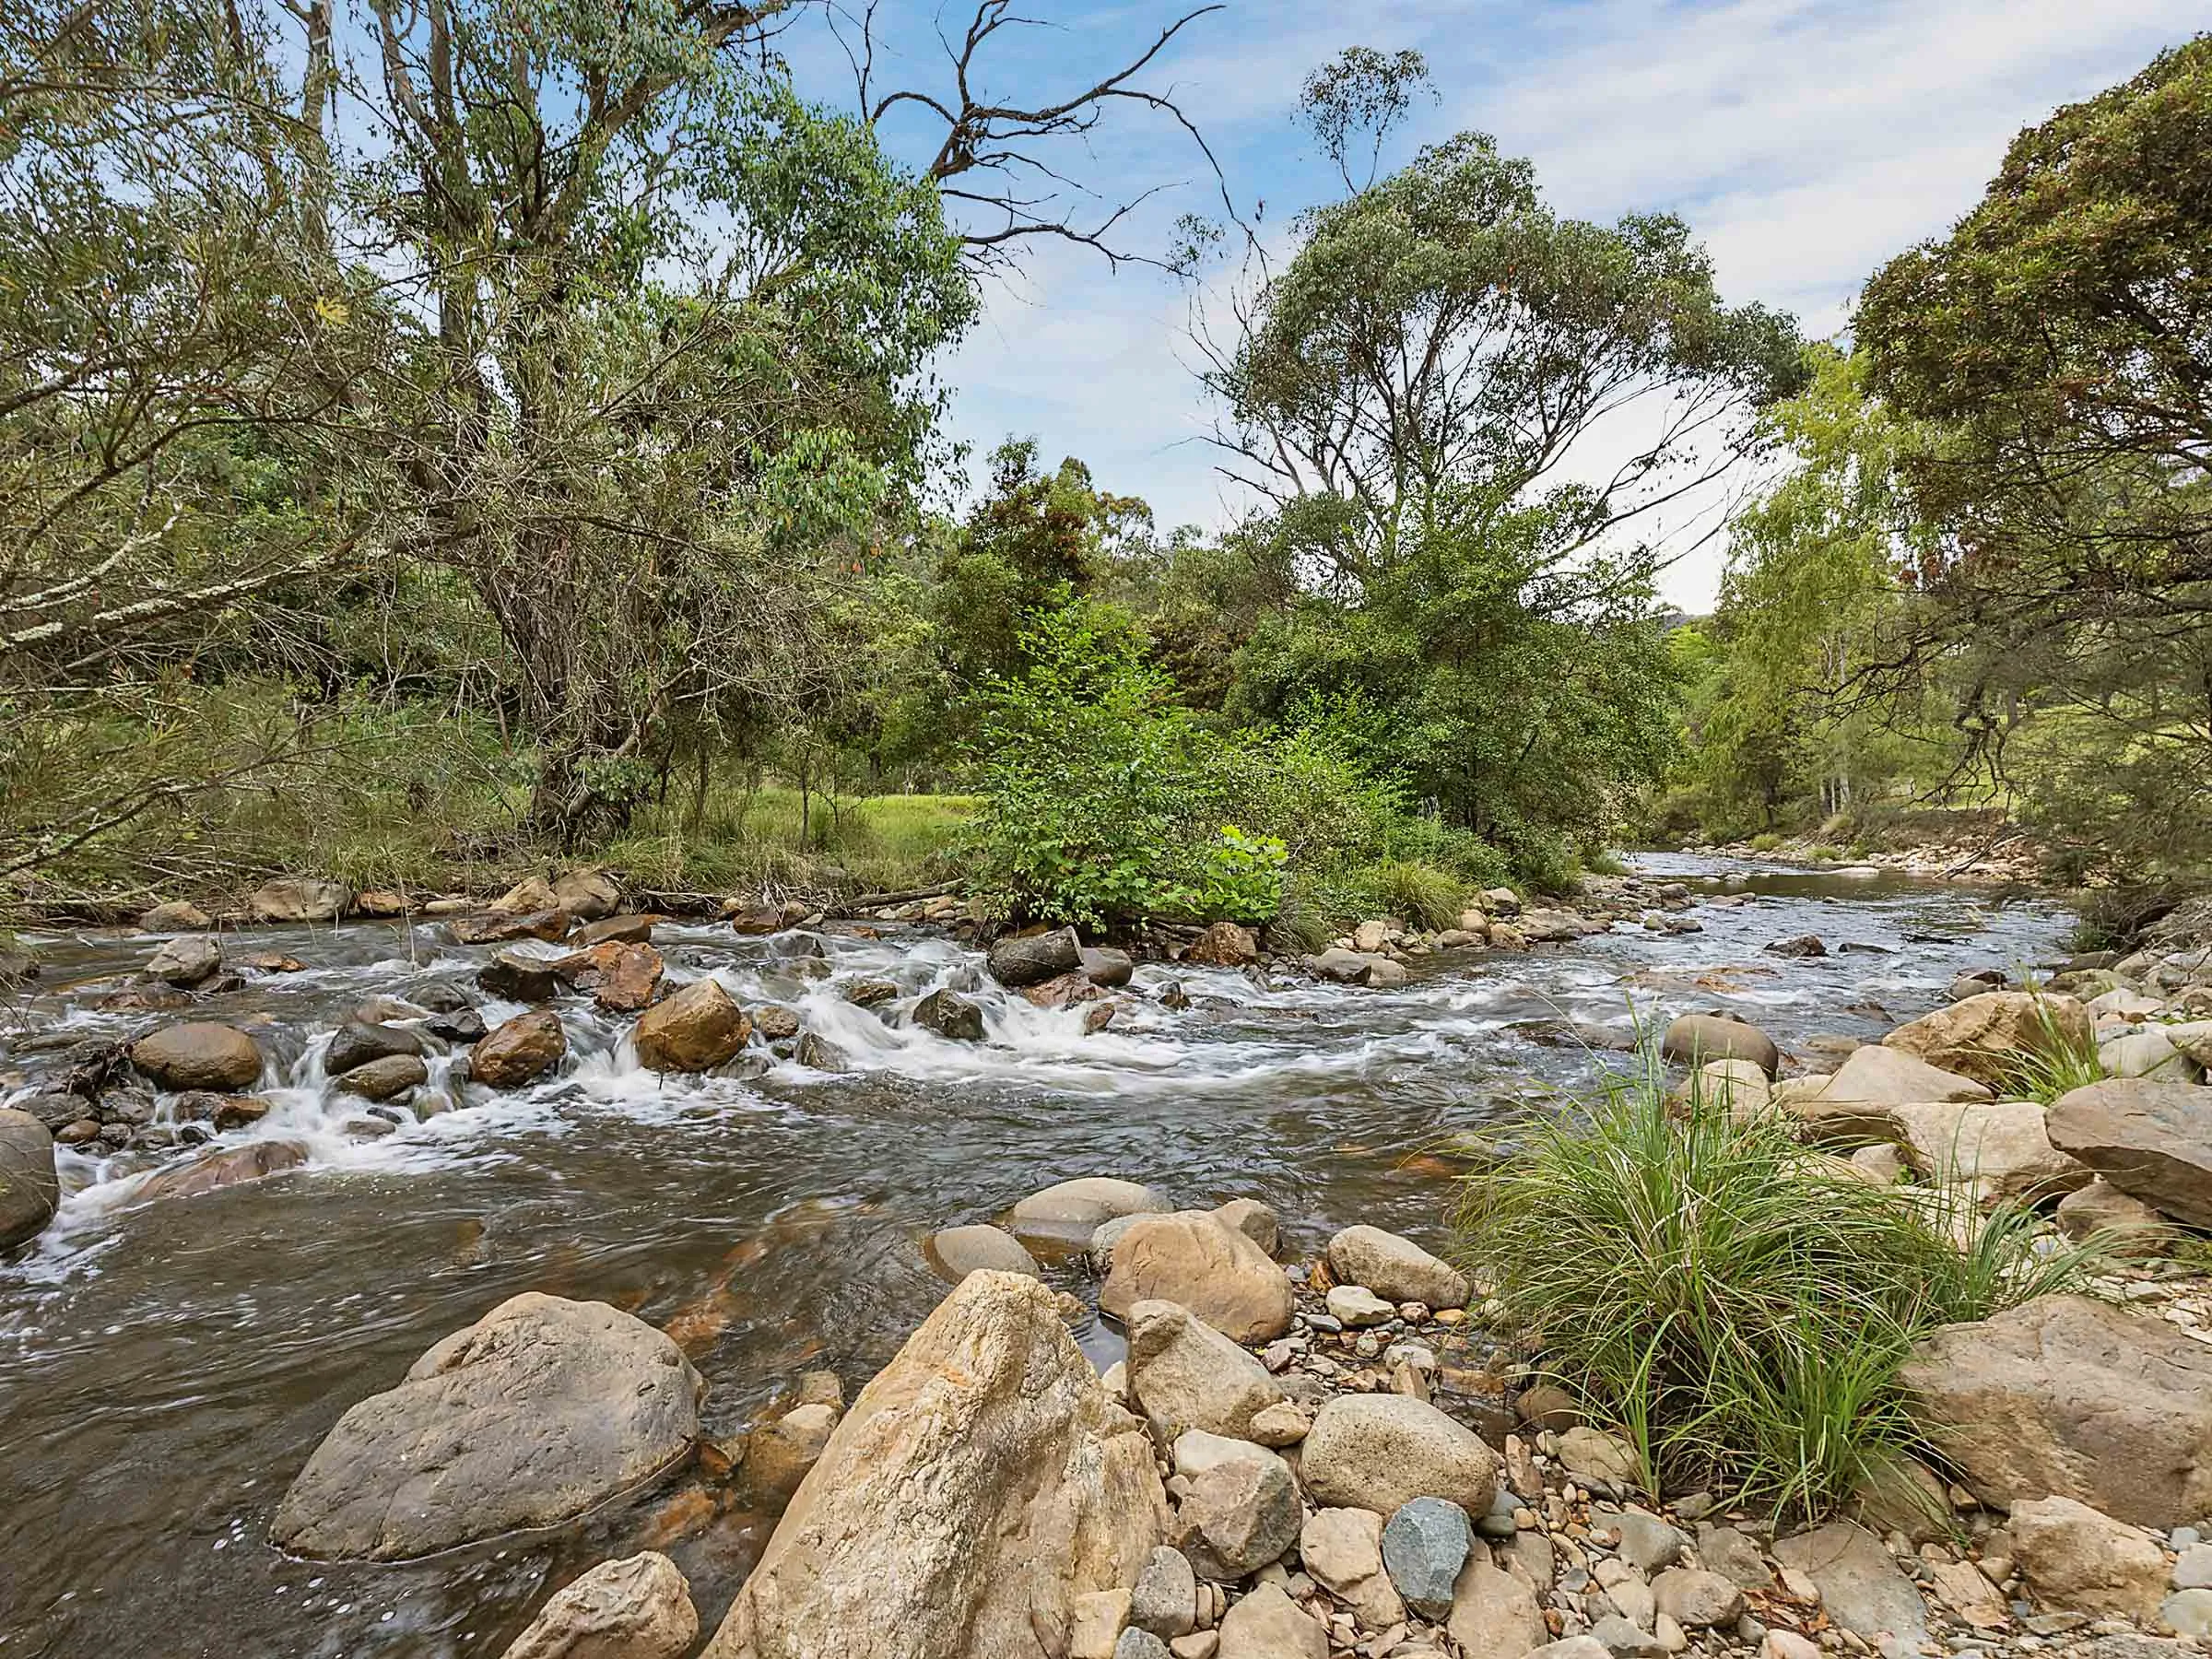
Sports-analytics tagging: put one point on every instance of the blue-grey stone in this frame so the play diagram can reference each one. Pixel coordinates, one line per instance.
(1424, 1546)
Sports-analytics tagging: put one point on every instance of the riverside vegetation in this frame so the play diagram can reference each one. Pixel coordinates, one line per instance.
(474, 487)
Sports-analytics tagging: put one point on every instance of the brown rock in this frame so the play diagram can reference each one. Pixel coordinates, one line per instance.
(2148, 1137)
(30, 1187)
(1224, 945)
(981, 1484)
(587, 895)
(636, 1609)
(198, 1056)
(617, 930)
(1990, 1037)
(214, 1170)
(1190, 1258)
(2080, 1561)
(299, 899)
(499, 928)
(520, 1051)
(698, 1029)
(621, 978)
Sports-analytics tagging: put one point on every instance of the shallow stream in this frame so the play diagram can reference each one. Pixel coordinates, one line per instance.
(166, 1368)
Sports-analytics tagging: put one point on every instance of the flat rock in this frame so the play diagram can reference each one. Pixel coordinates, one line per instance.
(1859, 1583)
(212, 1171)
(1356, 1306)
(2070, 1396)
(639, 1607)
(1380, 1451)
(1342, 1548)
(2078, 1560)
(2103, 1208)
(2000, 1149)
(540, 1410)
(1192, 1258)
(981, 1486)
(1989, 1036)
(1069, 1212)
(1395, 1268)
(957, 1251)
(299, 898)
(2150, 1138)
(1268, 1625)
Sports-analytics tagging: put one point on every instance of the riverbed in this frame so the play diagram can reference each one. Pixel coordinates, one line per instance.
(165, 1369)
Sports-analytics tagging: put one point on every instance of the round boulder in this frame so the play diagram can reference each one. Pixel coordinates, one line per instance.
(1070, 1211)
(1395, 1268)
(698, 1029)
(29, 1190)
(1193, 1258)
(957, 1251)
(1693, 1039)
(1381, 1452)
(1035, 958)
(519, 1051)
(540, 1411)
(198, 1056)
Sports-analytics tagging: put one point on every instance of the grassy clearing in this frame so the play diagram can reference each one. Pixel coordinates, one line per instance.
(1737, 1306)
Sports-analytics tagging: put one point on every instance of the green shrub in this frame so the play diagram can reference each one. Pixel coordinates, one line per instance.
(1732, 1301)
(1419, 894)
(1766, 841)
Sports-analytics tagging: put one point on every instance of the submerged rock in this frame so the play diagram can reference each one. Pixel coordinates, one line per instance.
(949, 1014)
(540, 1410)
(982, 1485)
(212, 1171)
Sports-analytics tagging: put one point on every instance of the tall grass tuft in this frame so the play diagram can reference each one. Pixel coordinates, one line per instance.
(1420, 893)
(1738, 1305)
(2063, 1064)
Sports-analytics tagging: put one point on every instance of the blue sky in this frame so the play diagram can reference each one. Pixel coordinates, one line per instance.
(1803, 140)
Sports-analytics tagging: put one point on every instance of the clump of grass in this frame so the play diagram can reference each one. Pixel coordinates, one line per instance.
(1766, 841)
(1420, 893)
(2063, 1063)
(1738, 1306)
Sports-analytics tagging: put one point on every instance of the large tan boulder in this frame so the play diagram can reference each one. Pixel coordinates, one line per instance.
(1856, 1099)
(1380, 1451)
(587, 895)
(1193, 1258)
(2069, 1396)
(1989, 1038)
(198, 1054)
(2000, 1149)
(2080, 1561)
(1185, 1374)
(979, 1487)
(540, 1411)
(639, 1607)
(698, 1029)
(2148, 1137)
(1268, 1624)
(1395, 1268)
(1494, 1614)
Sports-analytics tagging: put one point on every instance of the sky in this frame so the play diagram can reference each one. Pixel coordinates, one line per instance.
(1805, 141)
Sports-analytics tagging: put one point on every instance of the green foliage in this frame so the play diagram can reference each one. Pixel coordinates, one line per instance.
(1735, 1303)
(1420, 893)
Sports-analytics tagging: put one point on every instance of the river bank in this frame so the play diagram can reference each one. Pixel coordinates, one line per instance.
(771, 1219)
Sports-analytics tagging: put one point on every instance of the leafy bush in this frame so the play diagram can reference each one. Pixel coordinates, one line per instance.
(1736, 1304)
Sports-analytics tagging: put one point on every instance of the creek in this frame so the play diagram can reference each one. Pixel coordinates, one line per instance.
(166, 1368)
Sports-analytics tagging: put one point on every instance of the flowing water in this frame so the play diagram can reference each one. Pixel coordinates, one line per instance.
(166, 1368)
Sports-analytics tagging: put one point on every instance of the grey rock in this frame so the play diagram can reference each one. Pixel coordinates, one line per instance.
(537, 1412)
(1730, 1553)
(2188, 1613)
(1395, 1268)
(1646, 1541)
(185, 962)
(1239, 1515)
(1380, 1451)
(949, 1014)
(2149, 1137)
(1859, 1583)
(1694, 1597)
(957, 1251)
(1135, 1644)
(1623, 1636)
(1165, 1601)
(356, 1042)
(1033, 959)
(1185, 1374)
(29, 1188)
(385, 1078)
(1425, 1544)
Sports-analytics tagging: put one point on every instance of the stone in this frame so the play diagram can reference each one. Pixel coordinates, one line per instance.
(951, 1016)
(299, 898)
(1109, 968)
(1494, 1614)
(1224, 945)
(1283, 1424)
(1030, 959)
(540, 1411)
(1547, 1406)
(1696, 1599)
(1071, 1211)
(356, 1042)
(776, 1023)
(2069, 1395)
(779, 1454)
(198, 1056)
(1882, 1164)
(2081, 1560)
(1185, 1374)
(31, 1189)
(587, 895)
(1190, 1258)
(698, 1029)
(1638, 1604)
(1737, 1086)
(175, 915)
(1255, 1220)
(1268, 1625)
(1859, 1583)
(517, 976)
(2000, 1150)
(639, 1607)
(1800, 945)
(496, 928)
(1600, 1456)
(1647, 1543)
(1198, 1644)
(1425, 1545)
(385, 1078)
(957, 1251)
(617, 930)
(979, 1486)
(1395, 1268)
(621, 977)
(520, 1051)
(1343, 1550)
(2101, 1208)
(1962, 1587)
(2150, 1138)
(531, 893)
(212, 1171)
(1165, 1600)
(467, 1026)
(186, 961)
(1240, 1513)
(1136, 1645)
(1902, 1494)
(1357, 1307)
(1877, 1077)
(1358, 967)
(1990, 1037)
(2188, 1613)
(1787, 1645)
(1694, 1039)
(2146, 1054)
(1380, 1451)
